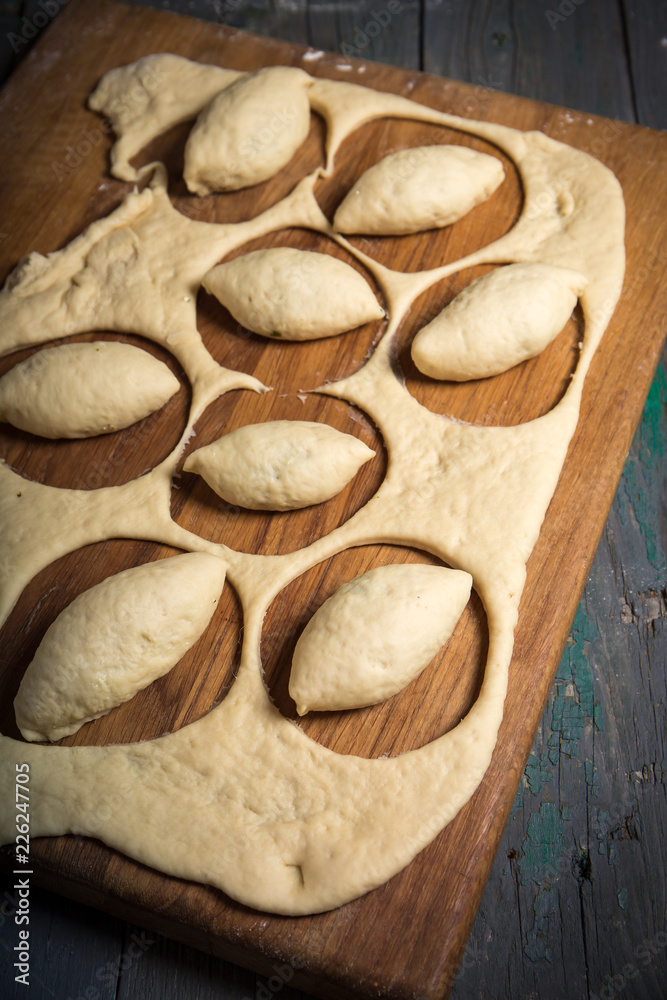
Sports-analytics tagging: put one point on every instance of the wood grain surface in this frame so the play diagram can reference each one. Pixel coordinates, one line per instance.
(428, 908)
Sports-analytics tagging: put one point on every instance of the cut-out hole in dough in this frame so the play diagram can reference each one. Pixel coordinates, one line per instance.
(197, 682)
(107, 460)
(288, 366)
(432, 248)
(444, 692)
(269, 532)
(525, 392)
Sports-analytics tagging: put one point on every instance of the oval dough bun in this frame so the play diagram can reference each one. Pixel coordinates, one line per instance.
(501, 319)
(114, 640)
(415, 189)
(293, 294)
(280, 465)
(375, 635)
(249, 131)
(81, 390)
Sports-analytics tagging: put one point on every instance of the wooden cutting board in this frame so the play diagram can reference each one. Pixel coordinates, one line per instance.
(404, 939)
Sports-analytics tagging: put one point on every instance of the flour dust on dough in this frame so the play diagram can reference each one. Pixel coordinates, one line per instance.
(284, 824)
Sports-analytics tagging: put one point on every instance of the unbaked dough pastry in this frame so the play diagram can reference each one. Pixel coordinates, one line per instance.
(280, 464)
(147, 97)
(501, 319)
(284, 824)
(420, 188)
(293, 294)
(81, 390)
(248, 132)
(115, 639)
(375, 635)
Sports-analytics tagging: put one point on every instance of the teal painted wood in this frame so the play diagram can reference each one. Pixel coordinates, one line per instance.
(575, 904)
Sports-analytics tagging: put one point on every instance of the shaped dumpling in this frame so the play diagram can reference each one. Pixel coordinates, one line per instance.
(147, 97)
(249, 131)
(280, 465)
(293, 294)
(415, 189)
(81, 390)
(375, 635)
(499, 320)
(115, 639)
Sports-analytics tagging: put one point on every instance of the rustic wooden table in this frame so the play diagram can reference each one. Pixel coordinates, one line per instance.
(576, 903)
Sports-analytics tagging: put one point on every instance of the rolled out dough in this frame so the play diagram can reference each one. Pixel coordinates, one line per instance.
(283, 824)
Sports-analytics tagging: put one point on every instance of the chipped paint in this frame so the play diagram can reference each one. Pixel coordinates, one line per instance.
(575, 736)
(654, 415)
(606, 845)
(537, 772)
(537, 936)
(574, 706)
(544, 846)
(592, 778)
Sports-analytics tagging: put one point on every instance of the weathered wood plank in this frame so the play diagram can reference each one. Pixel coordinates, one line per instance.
(520, 48)
(73, 950)
(646, 35)
(386, 31)
(584, 845)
